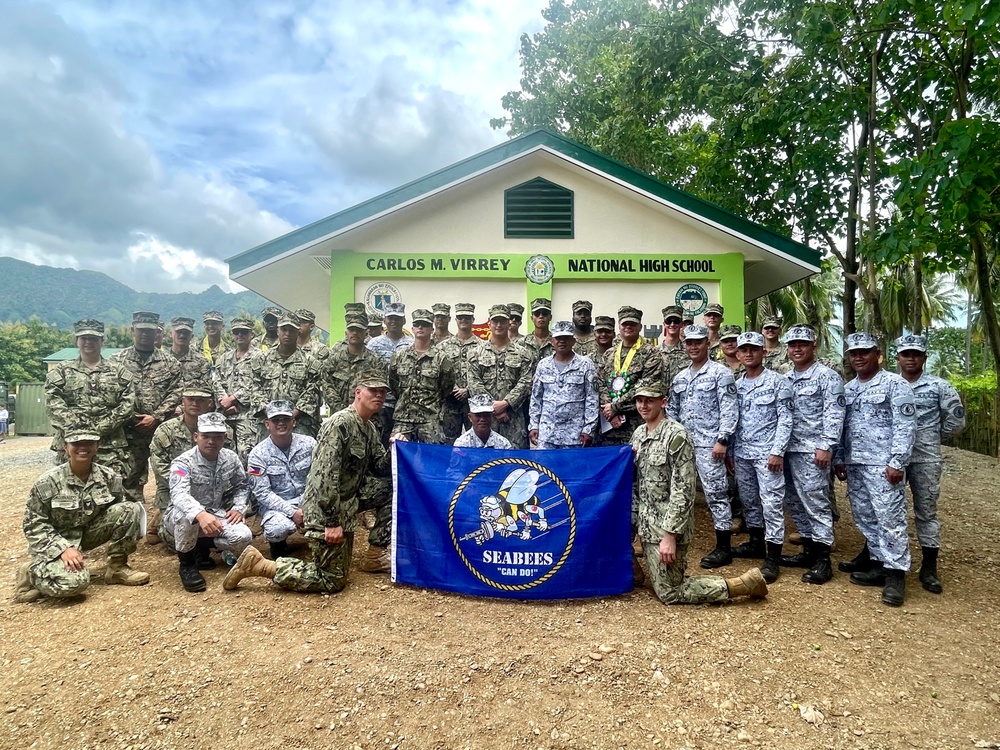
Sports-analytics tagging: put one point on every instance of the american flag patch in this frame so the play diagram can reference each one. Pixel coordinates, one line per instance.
(255, 471)
(181, 471)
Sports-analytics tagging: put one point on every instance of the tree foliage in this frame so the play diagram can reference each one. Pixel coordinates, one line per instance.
(22, 347)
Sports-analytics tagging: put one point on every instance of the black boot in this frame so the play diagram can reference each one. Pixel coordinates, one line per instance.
(895, 588)
(822, 569)
(203, 554)
(862, 562)
(754, 547)
(279, 549)
(874, 576)
(803, 559)
(772, 557)
(191, 578)
(723, 552)
(928, 571)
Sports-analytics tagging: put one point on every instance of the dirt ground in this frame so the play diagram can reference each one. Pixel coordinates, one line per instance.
(384, 666)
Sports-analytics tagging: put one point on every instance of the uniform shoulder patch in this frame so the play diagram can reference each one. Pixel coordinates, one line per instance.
(907, 409)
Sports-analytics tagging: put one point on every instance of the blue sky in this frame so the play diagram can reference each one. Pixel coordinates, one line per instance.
(151, 140)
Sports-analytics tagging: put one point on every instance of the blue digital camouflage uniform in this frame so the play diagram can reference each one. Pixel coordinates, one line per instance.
(170, 440)
(564, 402)
(277, 481)
(469, 439)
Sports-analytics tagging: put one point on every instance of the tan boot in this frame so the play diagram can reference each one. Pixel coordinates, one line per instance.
(24, 592)
(376, 560)
(118, 572)
(638, 574)
(251, 564)
(367, 519)
(750, 584)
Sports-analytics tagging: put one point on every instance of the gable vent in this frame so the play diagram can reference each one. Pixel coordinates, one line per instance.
(538, 209)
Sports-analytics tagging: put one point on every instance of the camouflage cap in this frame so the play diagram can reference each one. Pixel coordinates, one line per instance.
(540, 303)
(272, 311)
(80, 432)
(800, 333)
(359, 320)
(354, 308)
(280, 408)
(197, 390)
(604, 323)
(750, 338)
(306, 316)
(289, 319)
(629, 314)
(440, 308)
(243, 324)
(771, 321)
(562, 328)
(371, 379)
(88, 327)
(582, 304)
(695, 332)
(210, 422)
(516, 309)
(729, 332)
(212, 316)
(182, 324)
(714, 309)
(912, 342)
(687, 318)
(673, 311)
(421, 315)
(159, 326)
(375, 319)
(395, 309)
(464, 308)
(145, 319)
(861, 341)
(499, 311)
(651, 390)
(481, 403)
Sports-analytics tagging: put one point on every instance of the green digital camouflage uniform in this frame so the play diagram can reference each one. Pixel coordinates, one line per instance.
(505, 374)
(646, 368)
(197, 371)
(63, 512)
(458, 354)
(103, 398)
(171, 439)
(210, 354)
(295, 378)
(339, 370)
(420, 380)
(235, 379)
(347, 452)
(663, 502)
(777, 360)
(675, 359)
(585, 345)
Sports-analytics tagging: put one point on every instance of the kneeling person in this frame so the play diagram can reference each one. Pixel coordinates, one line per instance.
(481, 418)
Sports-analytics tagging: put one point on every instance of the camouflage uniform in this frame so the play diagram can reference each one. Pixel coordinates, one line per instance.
(196, 370)
(170, 440)
(348, 449)
(458, 353)
(236, 379)
(777, 360)
(663, 502)
(646, 367)
(385, 347)
(63, 512)
(564, 403)
(277, 481)
(505, 374)
(420, 380)
(675, 359)
(198, 485)
(295, 378)
(537, 350)
(338, 371)
(469, 439)
(103, 398)
(585, 345)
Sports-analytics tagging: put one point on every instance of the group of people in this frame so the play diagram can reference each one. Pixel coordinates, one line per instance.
(232, 433)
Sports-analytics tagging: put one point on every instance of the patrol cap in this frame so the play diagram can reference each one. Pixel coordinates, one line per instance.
(604, 323)
(540, 303)
(145, 319)
(159, 326)
(420, 315)
(80, 432)
(562, 328)
(280, 408)
(371, 379)
(182, 324)
(288, 319)
(274, 312)
(464, 308)
(481, 403)
(197, 390)
(912, 342)
(440, 308)
(582, 304)
(499, 311)
(306, 316)
(375, 319)
(394, 309)
(673, 311)
(211, 421)
(629, 314)
(687, 318)
(715, 308)
(695, 332)
(750, 338)
(729, 332)
(241, 324)
(88, 327)
(651, 390)
(516, 309)
(354, 308)
(800, 333)
(771, 322)
(212, 316)
(358, 320)
(861, 341)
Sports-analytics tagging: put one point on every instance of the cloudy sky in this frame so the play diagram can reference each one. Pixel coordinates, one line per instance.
(152, 139)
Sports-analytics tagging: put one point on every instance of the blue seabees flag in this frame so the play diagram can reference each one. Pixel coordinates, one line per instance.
(519, 524)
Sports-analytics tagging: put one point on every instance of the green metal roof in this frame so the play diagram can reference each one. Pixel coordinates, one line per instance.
(543, 138)
(71, 352)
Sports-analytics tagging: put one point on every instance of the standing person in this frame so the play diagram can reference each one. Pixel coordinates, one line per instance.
(421, 377)
(564, 401)
(278, 468)
(306, 342)
(375, 321)
(458, 350)
(728, 354)
(390, 342)
(503, 370)
(72, 508)
(4, 418)
(481, 434)
(516, 310)
(157, 380)
(208, 502)
(94, 391)
(539, 341)
(675, 358)
(583, 330)
(347, 451)
(604, 337)
(663, 506)
(627, 365)
(235, 369)
(212, 346)
(775, 355)
(712, 320)
(347, 359)
(939, 414)
(194, 367)
(703, 399)
(879, 429)
(759, 445)
(269, 317)
(442, 317)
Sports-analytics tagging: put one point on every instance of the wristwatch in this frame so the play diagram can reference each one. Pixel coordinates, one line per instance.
(723, 441)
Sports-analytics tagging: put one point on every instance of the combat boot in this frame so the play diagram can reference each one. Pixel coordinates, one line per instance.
(638, 574)
(191, 578)
(118, 572)
(203, 553)
(822, 569)
(24, 592)
(376, 560)
(251, 564)
(928, 571)
(723, 552)
(803, 559)
(753, 547)
(750, 584)
(863, 561)
(894, 591)
(279, 549)
(874, 576)
(770, 570)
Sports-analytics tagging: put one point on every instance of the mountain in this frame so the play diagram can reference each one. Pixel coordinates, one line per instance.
(64, 295)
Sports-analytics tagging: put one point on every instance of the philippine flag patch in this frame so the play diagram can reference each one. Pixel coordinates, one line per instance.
(255, 471)
(181, 471)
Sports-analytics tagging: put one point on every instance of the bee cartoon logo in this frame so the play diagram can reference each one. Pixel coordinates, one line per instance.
(513, 523)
